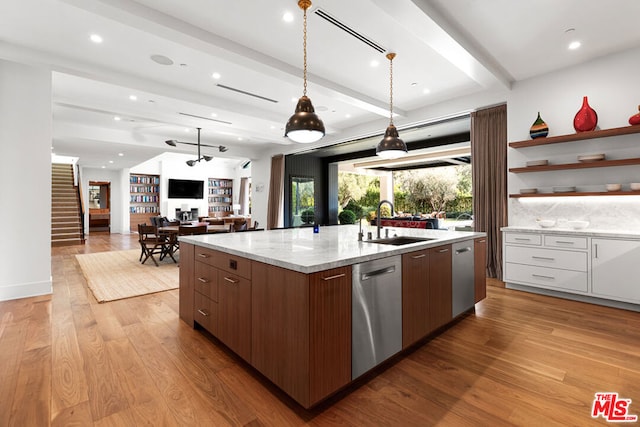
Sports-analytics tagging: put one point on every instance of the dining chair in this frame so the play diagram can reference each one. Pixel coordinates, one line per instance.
(240, 226)
(152, 243)
(188, 230)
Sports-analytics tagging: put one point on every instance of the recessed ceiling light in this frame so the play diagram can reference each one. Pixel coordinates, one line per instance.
(294, 100)
(161, 59)
(104, 167)
(574, 45)
(133, 97)
(215, 76)
(121, 154)
(348, 116)
(374, 63)
(96, 38)
(287, 17)
(117, 119)
(110, 161)
(214, 115)
(426, 91)
(239, 138)
(187, 130)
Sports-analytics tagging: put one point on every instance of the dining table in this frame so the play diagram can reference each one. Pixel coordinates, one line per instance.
(174, 229)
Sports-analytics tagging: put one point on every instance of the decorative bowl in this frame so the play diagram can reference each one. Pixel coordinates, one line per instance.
(578, 225)
(635, 186)
(546, 223)
(613, 187)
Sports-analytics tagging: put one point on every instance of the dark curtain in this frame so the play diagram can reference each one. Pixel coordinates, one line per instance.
(489, 153)
(276, 193)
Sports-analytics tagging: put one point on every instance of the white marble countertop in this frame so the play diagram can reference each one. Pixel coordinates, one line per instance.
(587, 232)
(299, 249)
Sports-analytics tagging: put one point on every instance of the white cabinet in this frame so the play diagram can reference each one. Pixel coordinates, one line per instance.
(550, 265)
(592, 267)
(615, 269)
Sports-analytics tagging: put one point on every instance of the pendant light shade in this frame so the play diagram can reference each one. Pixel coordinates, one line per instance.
(304, 126)
(391, 146)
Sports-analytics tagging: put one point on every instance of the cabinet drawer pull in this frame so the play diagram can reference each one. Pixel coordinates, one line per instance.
(543, 277)
(543, 258)
(336, 276)
(204, 313)
(443, 250)
(522, 239)
(203, 255)
(230, 280)
(564, 242)
(482, 241)
(418, 256)
(203, 280)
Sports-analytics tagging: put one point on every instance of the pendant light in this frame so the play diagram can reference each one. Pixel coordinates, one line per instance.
(304, 126)
(391, 146)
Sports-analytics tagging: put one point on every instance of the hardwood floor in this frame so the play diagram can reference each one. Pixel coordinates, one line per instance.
(521, 359)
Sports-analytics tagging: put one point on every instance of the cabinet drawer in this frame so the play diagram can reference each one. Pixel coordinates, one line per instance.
(566, 260)
(206, 280)
(523, 238)
(205, 255)
(543, 277)
(205, 313)
(233, 264)
(566, 242)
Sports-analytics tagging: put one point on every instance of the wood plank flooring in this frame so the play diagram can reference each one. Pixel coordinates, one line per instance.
(520, 359)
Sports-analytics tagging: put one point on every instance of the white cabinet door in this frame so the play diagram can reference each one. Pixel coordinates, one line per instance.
(616, 269)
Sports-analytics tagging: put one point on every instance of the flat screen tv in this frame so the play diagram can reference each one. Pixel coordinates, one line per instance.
(186, 189)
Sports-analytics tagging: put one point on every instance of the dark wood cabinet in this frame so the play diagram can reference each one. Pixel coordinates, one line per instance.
(234, 313)
(480, 268)
(415, 296)
(440, 296)
(330, 332)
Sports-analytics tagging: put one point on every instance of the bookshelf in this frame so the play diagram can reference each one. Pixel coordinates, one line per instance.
(144, 199)
(220, 195)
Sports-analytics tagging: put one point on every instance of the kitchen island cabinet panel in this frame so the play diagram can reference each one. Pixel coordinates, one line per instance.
(234, 313)
(280, 328)
(330, 331)
(187, 277)
(440, 296)
(480, 268)
(415, 296)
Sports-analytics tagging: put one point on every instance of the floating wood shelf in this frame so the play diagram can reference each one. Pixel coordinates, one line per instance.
(626, 130)
(578, 193)
(584, 165)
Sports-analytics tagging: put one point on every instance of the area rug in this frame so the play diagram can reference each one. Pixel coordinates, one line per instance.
(119, 274)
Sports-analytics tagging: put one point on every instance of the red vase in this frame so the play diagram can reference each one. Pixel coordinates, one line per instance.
(586, 118)
(635, 119)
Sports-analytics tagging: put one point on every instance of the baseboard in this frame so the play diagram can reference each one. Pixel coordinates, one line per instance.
(25, 290)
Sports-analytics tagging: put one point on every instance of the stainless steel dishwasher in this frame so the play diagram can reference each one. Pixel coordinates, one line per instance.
(462, 283)
(376, 320)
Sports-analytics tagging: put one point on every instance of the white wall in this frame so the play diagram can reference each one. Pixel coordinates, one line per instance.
(119, 200)
(611, 85)
(25, 180)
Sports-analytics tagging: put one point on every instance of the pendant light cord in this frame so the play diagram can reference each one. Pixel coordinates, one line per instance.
(304, 49)
(390, 56)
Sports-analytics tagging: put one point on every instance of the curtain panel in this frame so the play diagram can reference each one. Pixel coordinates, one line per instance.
(490, 202)
(276, 193)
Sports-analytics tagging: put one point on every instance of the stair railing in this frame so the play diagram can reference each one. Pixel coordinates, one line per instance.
(78, 185)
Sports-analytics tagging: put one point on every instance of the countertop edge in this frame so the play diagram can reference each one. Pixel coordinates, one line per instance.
(387, 251)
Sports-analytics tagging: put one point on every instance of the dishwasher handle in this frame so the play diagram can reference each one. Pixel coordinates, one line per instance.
(370, 274)
(463, 250)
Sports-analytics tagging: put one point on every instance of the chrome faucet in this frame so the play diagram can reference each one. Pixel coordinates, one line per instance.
(379, 218)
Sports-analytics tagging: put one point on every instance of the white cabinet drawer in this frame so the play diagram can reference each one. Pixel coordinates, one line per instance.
(566, 260)
(523, 238)
(566, 242)
(552, 278)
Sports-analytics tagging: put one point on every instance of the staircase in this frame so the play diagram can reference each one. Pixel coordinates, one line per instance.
(66, 225)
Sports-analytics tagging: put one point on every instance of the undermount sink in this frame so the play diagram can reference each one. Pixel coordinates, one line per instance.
(400, 240)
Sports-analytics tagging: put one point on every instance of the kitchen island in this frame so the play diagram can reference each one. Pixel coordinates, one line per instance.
(282, 299)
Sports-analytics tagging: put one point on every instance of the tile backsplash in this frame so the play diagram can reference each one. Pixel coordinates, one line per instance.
(619, 213)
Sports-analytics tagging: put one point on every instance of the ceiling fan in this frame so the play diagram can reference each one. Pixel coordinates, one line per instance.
(221, 148)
